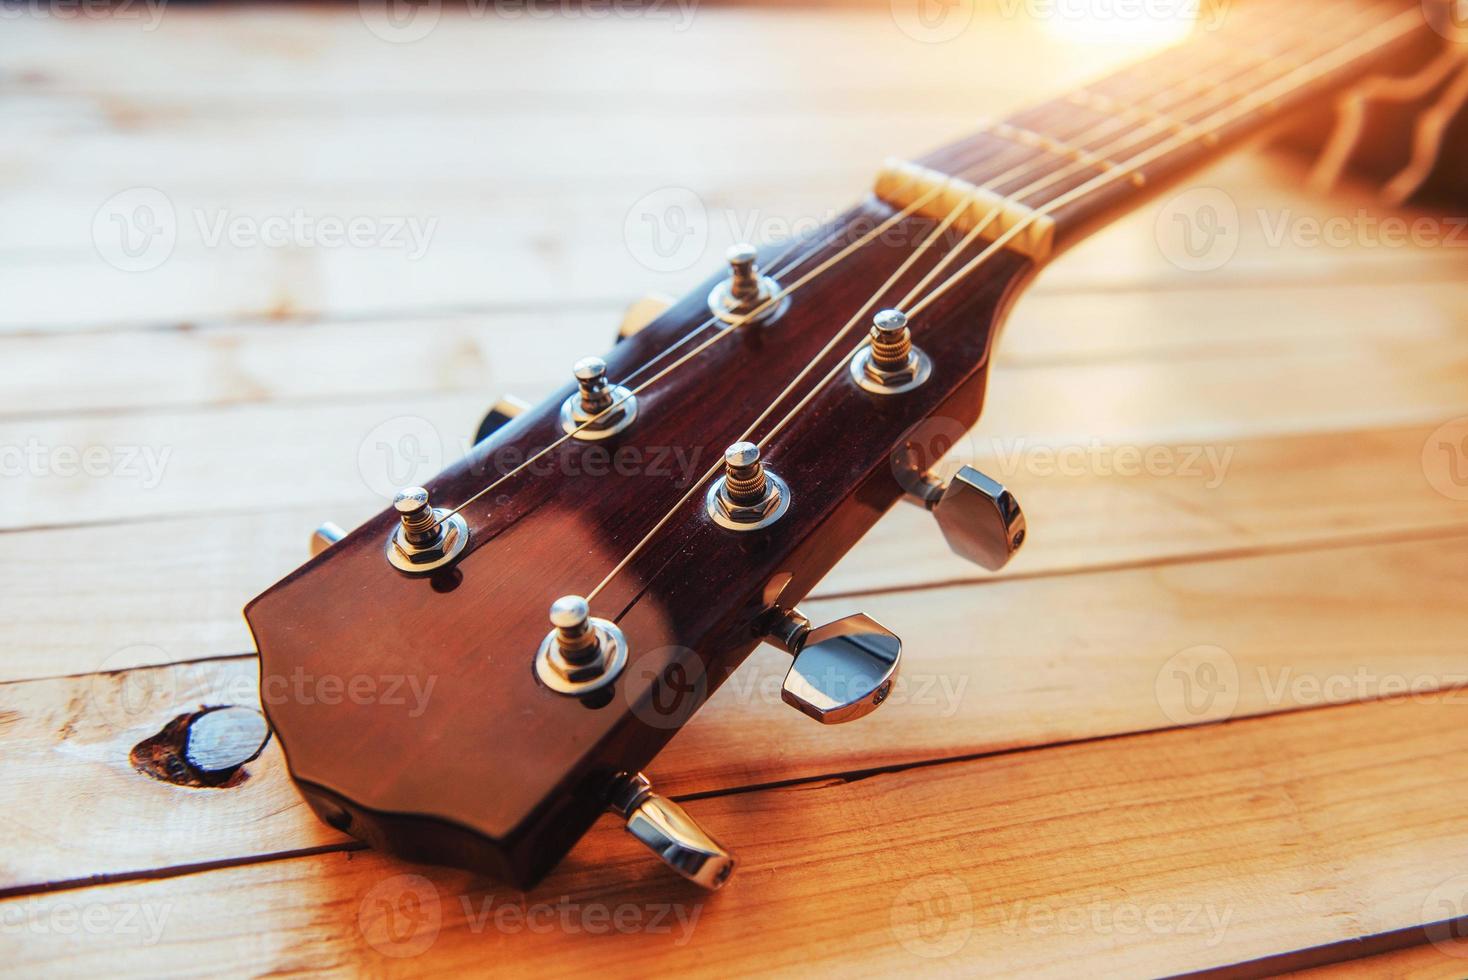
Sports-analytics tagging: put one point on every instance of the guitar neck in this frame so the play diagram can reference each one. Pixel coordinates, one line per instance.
(1043, 179)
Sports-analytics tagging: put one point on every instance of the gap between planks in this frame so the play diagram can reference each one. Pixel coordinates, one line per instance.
(1246, 819)
(1283, 493)
(1346, 542)
(1040, 679)
(812, 780)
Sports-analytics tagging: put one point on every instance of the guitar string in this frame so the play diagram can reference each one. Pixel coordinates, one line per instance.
(1076, 194)
(1164, 118)
(1256, 33)
(1393, 31)
(896, 276)
(695, 487)
(727, 329)
(1160, 124)
(1408, 18)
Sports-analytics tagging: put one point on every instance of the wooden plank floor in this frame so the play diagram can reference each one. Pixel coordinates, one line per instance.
(1046, 794)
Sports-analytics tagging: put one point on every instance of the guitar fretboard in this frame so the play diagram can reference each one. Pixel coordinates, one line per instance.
(1045, 177)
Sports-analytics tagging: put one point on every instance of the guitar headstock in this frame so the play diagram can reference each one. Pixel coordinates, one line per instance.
(631, 488)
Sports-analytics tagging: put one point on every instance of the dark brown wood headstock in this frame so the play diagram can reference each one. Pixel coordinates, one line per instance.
(497, 771)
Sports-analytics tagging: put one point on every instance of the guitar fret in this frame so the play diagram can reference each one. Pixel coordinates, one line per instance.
(1120, 143)
(1107, 105)
(1037, 140)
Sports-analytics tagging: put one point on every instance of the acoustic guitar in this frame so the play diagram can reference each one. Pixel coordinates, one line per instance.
(571, 605)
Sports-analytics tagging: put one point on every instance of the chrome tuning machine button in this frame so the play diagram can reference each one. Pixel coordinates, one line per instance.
(842, 670)
(667, 830)
(325, 536)
(640, 313)
(980, 519)
(504, 411)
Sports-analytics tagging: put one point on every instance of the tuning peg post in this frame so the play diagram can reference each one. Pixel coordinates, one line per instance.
(598, 409)
(747, 295)
(426, 538)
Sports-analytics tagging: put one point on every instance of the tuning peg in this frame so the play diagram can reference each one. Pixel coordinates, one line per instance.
(641, 312)
(667, 830)
(842, 671)
(325, 536)
(506, 410)
(979, 518)
(748, 295)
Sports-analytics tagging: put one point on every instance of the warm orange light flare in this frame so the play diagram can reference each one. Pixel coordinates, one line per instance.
(1141, 23)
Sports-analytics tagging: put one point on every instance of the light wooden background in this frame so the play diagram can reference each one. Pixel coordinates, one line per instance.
(1039, 800)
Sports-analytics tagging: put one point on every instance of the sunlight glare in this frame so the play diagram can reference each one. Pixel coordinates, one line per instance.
(1144, 23)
